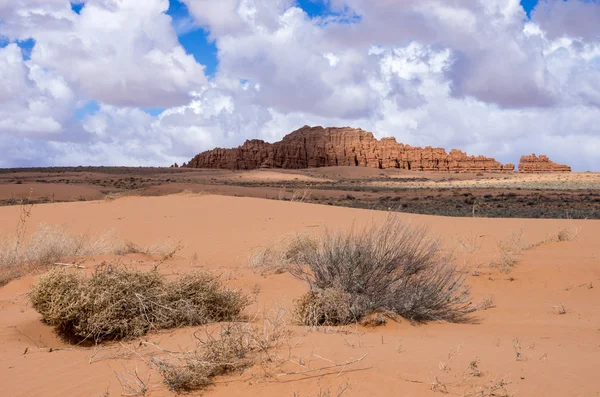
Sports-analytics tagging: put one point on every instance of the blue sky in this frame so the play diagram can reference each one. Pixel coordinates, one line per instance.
(77, 7)
(194, 39)
(313, 7)
(529, 5)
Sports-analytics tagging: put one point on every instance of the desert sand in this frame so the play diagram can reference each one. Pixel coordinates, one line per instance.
(523, 343)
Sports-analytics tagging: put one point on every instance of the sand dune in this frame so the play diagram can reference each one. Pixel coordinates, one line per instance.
(558, 353)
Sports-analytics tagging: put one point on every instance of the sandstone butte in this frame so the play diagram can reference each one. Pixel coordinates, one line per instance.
(542, 163)
(311, 147)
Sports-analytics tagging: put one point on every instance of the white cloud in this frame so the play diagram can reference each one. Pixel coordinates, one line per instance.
(470, 74)
(33, 102)
(577, 19)
(121, 52)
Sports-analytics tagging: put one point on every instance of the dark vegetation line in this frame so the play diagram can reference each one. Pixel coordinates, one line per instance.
(489, 202)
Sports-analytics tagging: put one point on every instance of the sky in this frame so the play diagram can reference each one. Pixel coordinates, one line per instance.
(125, 82)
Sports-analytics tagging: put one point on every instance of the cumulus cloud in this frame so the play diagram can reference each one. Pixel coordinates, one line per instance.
(120, 52)
(471, 74)
(33, 102)
(577, 19)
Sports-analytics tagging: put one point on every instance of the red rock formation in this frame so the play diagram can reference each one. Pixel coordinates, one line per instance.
(322, 147)
(542, 163)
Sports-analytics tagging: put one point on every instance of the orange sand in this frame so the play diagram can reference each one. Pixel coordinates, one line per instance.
(560, 353)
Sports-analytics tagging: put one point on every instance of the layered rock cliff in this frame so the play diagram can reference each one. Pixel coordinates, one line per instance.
(542, 163)
(322, 147)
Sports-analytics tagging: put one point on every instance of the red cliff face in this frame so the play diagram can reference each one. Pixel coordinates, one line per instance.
(542, 163)
(323, 147)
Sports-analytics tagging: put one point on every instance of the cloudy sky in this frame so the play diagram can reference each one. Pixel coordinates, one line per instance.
(153, 82)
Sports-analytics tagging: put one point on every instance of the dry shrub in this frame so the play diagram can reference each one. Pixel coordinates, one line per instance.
(199, 298)
(374, 319)
(326, 307)
(119, 303)
(392, 267)
(214, 357)
(236, 347)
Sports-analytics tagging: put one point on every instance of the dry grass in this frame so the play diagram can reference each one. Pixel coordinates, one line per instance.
(280, 256)
(568, 234)
(119, 303)
(509, 250)
(560, 309)
(392, 267)
(487, 303)
(236, 347)
(471, 243)
(326, 392)
(268, 260)
(50, 243)
(227, 353)
(132, 383)
(166, 249)
(326, 307)
(513, 246)
(514, 242)
(299, 195)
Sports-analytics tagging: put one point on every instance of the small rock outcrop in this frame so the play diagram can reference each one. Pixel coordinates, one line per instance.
(311, 147)
(541, 163)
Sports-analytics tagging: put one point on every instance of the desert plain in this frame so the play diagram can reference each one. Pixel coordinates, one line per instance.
(536, 330)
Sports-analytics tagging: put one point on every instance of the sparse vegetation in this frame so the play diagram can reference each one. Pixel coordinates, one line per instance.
(510, 248)
(119, 303)
(564, 235)
(471, 243)
(487, 303)
(216, 356)
(132, 383)
(327, 307)
(560, 309)
(393, 267)
(236, 347)
(50, 243)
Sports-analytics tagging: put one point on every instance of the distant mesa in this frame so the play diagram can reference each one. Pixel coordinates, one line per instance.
(542, 163)
(311, 147)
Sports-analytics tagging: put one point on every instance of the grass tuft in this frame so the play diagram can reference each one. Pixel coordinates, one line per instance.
(50, 243)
